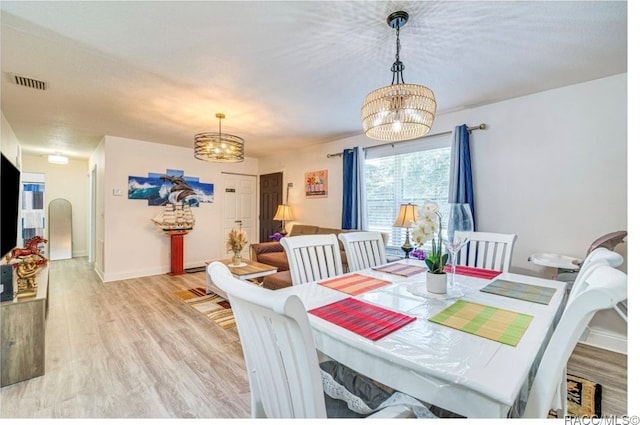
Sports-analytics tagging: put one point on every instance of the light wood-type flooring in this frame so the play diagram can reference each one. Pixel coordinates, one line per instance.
(132, 349)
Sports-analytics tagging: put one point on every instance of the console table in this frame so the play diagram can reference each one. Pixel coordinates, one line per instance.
(22, 329)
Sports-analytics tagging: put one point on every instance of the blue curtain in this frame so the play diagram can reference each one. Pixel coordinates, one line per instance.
(461, 180)
(353, 200)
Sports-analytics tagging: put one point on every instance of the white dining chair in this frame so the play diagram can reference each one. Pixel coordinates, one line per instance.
(599, 256)
(605, 286)
(487, 250)
(279, 350)
(363, 249)
(312, 257)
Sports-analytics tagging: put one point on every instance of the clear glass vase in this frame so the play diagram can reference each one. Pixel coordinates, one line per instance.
(237, 258)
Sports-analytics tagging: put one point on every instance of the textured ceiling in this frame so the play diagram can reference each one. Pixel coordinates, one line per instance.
(284, 73)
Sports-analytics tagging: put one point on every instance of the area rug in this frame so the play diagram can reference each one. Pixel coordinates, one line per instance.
(216, 308)
(584, 398)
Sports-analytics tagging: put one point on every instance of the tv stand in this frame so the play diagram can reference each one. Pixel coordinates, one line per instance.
(22, 329)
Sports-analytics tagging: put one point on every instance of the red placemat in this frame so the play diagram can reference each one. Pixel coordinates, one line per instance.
(365, 319)
(473, 271)
(354, 284)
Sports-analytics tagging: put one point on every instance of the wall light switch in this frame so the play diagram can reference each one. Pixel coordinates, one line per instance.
(117, 192)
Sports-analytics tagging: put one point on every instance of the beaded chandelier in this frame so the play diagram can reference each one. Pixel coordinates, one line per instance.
(399, 111)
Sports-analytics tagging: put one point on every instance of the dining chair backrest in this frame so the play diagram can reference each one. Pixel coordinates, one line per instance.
(312, 257)
(606, 286)
(487, 250)
(597, 257)
(363, 249)
(278, 347)
(282, 363)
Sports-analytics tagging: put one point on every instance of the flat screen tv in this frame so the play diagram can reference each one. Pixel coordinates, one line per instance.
(9, 196)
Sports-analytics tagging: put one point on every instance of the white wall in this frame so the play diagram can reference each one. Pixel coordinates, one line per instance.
(9, 144)
(551, 167)
(132, 245)
(69, 182)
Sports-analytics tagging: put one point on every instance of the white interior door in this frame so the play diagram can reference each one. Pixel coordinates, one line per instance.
(240, 208)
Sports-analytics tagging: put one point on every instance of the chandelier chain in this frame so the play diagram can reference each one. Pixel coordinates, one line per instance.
(397, 66)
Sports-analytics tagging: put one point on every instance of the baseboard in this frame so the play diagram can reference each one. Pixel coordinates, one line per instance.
(99, 272)
(133, 274)
(111, 277)
(605, 340)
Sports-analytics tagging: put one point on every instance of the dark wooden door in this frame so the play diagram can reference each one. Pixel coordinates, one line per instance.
(270, 198)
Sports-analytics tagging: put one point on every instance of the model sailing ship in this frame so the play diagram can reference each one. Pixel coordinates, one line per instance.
(175, 217)
(177, 214)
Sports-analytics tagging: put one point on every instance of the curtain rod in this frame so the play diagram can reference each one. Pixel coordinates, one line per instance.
(469, 129)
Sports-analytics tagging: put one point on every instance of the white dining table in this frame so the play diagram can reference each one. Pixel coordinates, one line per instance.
(458, 371)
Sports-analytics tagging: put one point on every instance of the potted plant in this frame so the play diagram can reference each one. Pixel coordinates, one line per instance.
(428, 227)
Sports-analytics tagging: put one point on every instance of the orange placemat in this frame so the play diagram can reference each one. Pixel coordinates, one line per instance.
(354, 284)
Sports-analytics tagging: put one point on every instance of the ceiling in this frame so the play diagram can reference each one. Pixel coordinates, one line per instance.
(285, 73)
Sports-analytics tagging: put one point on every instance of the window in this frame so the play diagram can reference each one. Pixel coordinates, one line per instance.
(33, 218)
(408, 172)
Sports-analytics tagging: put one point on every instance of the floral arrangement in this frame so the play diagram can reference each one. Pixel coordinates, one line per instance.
(429, 227)
(236, 240)
(418, 254)
(276, 236)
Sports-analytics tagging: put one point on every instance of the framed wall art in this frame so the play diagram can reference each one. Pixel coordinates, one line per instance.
(316, 184)
(156, 188)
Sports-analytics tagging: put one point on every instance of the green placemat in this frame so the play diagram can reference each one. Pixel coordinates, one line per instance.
(521, 291)
(497, 324)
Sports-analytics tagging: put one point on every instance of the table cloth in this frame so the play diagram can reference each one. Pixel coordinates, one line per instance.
(465, 373)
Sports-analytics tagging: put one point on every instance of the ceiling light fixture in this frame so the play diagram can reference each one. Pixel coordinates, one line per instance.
(218, 147)
(58, 159)
(399, 111)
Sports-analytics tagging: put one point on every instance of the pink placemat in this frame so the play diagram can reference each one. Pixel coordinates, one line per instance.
(365, 319)
(400, 269)
(354, 284)
(473, 271)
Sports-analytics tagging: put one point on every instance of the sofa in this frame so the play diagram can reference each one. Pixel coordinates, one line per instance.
(272, 253)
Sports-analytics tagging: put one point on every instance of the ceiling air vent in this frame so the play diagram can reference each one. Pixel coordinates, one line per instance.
(29, 82)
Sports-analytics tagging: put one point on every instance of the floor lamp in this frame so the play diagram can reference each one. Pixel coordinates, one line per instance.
(406, 216)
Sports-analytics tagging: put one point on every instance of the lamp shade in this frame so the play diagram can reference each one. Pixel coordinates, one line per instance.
(283, 213)
(406, 215)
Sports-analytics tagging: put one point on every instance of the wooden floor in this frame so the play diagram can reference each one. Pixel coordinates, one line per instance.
(607, 368)
(132, 349)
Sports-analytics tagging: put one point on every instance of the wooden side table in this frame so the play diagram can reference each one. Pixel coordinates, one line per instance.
(248, 270)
